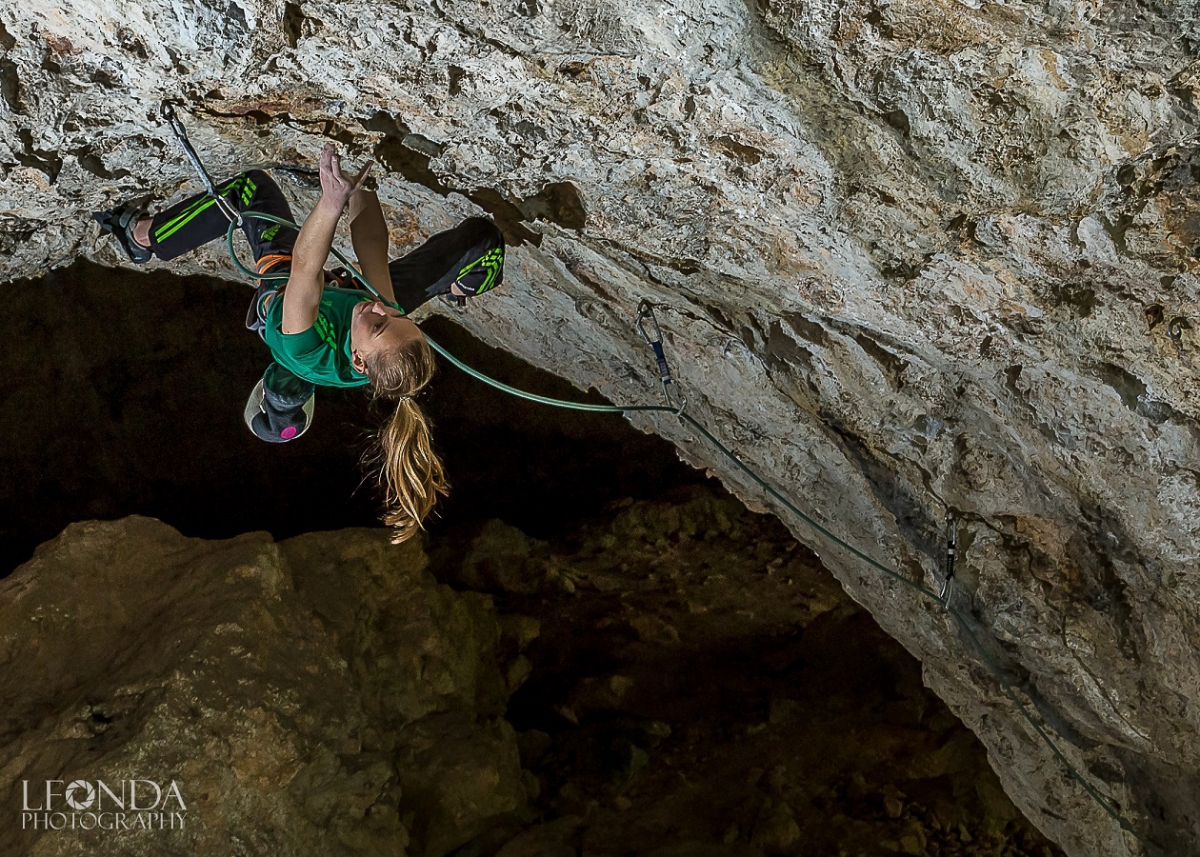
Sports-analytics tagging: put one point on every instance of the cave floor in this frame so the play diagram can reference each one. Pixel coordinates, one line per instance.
(699, 678)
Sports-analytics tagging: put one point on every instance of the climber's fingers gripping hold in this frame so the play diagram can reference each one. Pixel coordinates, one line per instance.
(335, 184)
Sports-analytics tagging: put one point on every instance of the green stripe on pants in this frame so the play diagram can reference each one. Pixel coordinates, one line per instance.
(184, 217)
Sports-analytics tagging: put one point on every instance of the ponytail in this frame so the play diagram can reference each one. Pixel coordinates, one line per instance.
(409, 470)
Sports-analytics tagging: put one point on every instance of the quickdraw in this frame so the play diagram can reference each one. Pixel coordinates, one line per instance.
(167, 110)
(951, 553)
(645, 312)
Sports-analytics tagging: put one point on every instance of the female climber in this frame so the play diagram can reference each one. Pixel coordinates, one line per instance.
(319, 331)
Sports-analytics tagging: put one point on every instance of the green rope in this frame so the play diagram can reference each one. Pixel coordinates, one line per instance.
(997, 672)
(513, 391)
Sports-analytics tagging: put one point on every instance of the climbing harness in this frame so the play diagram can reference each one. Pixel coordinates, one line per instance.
(653, 336)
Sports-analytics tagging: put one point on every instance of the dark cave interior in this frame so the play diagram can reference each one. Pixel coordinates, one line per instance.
(671, 694)
(130, 402)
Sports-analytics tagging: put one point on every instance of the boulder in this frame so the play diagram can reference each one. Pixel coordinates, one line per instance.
(323, 695)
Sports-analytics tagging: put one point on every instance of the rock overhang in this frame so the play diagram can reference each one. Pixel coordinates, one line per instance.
(910, 259)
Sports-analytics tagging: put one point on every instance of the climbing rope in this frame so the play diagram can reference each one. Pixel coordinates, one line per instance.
(533, 397)
(678, 408)
(648, 327)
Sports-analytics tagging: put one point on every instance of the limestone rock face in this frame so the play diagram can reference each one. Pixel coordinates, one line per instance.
(322, 695)
(912, 258)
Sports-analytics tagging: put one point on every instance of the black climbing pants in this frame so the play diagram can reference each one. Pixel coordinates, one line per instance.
(197, 220)
(470, 255)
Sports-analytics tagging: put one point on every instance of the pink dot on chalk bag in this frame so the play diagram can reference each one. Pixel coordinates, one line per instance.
(288, 433)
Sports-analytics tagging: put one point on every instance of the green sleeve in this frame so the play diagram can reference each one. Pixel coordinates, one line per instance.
(296, 346)
(299, 346)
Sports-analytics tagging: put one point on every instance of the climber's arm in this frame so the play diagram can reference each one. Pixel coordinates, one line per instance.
(369, 234)
(302, 297)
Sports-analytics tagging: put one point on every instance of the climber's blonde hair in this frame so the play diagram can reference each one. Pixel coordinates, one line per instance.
(409, 470)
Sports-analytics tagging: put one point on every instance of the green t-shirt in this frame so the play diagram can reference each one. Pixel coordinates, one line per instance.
(320, 354)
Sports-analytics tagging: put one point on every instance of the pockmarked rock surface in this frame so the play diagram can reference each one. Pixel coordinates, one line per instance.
(322, 695)
(913, 259)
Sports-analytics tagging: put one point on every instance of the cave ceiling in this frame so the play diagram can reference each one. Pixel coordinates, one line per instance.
(913, 260)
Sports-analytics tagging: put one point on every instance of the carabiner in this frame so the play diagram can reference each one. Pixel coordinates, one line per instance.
(667, 387)
(646, 311)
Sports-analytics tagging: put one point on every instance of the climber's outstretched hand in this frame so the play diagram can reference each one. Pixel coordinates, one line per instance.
(336, 186)
(302, 297)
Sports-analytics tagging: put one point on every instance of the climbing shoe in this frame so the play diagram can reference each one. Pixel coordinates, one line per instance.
(119, 222)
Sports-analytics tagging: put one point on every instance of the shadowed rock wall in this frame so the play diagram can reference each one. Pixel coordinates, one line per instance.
(912, 258)
(321, 695)
(701, 687)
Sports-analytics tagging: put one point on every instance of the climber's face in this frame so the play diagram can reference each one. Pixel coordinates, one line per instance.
(375, 328)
